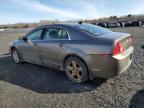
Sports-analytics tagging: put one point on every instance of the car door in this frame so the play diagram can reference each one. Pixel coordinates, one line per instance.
(29, 48)
(54, 46)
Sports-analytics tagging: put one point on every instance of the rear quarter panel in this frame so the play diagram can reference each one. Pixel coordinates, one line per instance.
(95, 56)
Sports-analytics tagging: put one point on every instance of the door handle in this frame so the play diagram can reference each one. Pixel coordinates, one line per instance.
(35, 44)
(61, 45)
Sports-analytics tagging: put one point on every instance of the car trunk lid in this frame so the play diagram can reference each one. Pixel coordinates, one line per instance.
(124, 38)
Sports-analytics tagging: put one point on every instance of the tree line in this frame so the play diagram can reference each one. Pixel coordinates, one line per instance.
(93, 21)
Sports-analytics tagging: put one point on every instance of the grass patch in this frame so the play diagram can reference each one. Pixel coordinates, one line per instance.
(6, 39)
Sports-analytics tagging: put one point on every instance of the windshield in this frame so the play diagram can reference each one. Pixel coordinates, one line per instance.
(93, 29)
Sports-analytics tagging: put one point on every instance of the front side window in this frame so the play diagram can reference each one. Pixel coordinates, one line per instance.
(55, 34)
(36, 35)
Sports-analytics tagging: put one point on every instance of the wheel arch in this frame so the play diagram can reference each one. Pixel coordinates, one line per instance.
(11, 48)
(14, 48)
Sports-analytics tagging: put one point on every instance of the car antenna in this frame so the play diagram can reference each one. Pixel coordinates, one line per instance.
(80, 22)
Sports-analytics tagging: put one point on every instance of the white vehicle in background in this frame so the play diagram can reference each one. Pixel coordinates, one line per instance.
(2, 29)
(141, 22)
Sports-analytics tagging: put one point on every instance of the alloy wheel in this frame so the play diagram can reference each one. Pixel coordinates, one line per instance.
(75, 70)
(15, 56)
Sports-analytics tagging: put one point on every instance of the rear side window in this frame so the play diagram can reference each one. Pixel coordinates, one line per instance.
(36, 35)
(55, 34)
(93, 29)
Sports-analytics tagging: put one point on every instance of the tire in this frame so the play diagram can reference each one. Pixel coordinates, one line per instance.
(16, 56)
(76, 70)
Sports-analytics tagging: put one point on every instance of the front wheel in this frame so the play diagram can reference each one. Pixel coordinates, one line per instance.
(16, 56)
(76, 70)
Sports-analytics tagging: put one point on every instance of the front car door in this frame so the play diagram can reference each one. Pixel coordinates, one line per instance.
(54, 46)
(29, 49)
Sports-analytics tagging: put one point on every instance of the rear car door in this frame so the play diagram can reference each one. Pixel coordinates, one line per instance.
(29, 49)
(54, 46)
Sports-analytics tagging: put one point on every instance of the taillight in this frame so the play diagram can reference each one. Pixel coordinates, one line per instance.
(118, 48)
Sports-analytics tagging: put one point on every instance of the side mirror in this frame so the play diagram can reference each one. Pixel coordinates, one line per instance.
(25, 39)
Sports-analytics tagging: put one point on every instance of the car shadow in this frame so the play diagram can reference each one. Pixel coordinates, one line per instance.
(42, 79)
(142, 46)
(137, 100)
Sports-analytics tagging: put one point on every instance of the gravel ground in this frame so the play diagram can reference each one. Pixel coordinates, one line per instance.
(32, 86)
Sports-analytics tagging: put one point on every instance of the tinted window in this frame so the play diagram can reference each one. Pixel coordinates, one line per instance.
(55, 33)
(93, 29)
(64, 35)
(36, 35)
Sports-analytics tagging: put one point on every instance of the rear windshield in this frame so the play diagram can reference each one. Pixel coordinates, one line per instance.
(93, 29)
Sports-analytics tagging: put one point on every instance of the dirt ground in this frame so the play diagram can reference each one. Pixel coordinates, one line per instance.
(32, 86)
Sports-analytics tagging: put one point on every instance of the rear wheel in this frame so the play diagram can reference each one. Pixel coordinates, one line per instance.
(16, 56)
(76, 70)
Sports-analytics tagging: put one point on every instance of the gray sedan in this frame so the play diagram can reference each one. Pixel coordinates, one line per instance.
(83, 51)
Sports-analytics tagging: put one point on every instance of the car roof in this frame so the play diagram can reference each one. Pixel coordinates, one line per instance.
(62, 24)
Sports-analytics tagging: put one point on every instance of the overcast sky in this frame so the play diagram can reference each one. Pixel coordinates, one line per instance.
(15, 11)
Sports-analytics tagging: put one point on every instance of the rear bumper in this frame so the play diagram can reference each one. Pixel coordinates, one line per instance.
(110, 66)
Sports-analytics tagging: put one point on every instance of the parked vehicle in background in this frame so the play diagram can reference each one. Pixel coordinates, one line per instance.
(102, 24)
(107, 24)
(131, 24)
(121, 24)
(135, 23)
(112, 24)
(1, 29)
(141, 22)
(83, 51)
